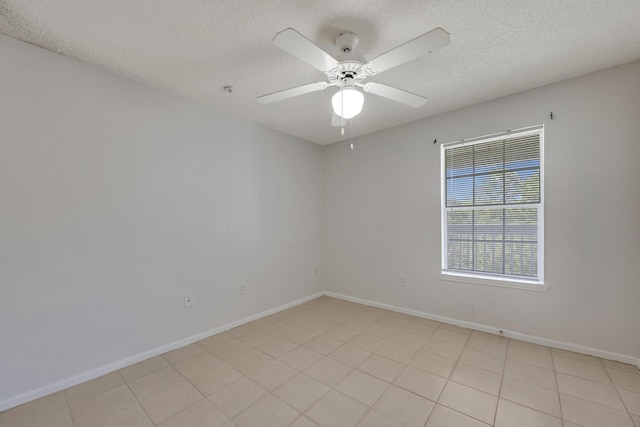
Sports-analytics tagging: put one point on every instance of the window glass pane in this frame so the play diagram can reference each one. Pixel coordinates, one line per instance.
(522, 259)
(488, 257)
(488, 157)
(460, 191)
(488, 189)
(484, 182)
(521, 224)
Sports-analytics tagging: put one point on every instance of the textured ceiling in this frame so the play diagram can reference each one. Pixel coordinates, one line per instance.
(195, 47)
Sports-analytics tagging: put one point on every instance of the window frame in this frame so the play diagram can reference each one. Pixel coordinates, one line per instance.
(534, 284)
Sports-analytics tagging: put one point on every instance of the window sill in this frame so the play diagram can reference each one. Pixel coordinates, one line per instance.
(501, 283)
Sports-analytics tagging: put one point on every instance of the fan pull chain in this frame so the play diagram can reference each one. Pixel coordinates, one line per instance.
(342, 109)
(351, 132)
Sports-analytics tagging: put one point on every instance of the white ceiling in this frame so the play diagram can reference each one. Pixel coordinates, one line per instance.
(196, 47)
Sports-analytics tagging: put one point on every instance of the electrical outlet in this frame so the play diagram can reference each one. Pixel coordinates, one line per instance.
(403, 282)
(243, 288)
(188, 300)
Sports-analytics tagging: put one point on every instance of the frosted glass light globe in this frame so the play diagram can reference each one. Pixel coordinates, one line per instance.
(351, 99)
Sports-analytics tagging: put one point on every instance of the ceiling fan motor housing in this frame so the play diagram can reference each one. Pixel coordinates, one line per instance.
(346, 42)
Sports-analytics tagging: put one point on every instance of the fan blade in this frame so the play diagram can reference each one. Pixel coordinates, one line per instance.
(398, 95)
(421, 45)
(337, 121)
(297, 45)
(290, 93)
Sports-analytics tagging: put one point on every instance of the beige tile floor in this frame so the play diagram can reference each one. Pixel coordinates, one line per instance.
(335, 363)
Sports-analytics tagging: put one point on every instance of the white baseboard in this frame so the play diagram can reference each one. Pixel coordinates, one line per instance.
(492, 330)
(95, 373)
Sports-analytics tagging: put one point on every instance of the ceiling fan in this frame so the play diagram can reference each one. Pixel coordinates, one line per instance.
(350, 74)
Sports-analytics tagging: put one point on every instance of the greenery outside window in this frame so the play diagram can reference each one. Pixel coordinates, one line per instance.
(492, 209)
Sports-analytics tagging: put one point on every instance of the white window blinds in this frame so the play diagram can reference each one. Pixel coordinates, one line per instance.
(492, 206)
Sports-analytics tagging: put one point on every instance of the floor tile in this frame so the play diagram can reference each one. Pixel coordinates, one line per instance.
(592, 391)
(322, 344)
(511, 414)
(250, 361)
(441, 416)
(450, 337)
(405, 407)
(625, 380)
(376, 419)
(231, 350)
(382, 331)
(301, 392)
(632, 369)
(455, 328)
(350, 355)
(143, 368)
(533, 396)
(170, 401)
(94, 387)
(437, 365)
(443, 349)
(395, 351)
(242, 330)
(368, 342)
(276, 347)
(477, 378)
(328, 371)
(257, 338)
(336, 409)
(530, 374)
(342, 333)
(583, 370)
(181, 353)
(631, 401)
(237, 396)
(273, 375)
(362, 387)
(214, 379)
(421, 383)
(392, 322)
(98, 408)
(488, 343)
(482, 360)
(360, 325)
(531, 357)
(155, 382)
(300, 358)
(215, 340)
(588, 414)
(196, 364)
(131, 416)
(469, 401)
(413, 340)
(267, 412)
(202, 414)
(584, 358)
(59, 418)
(381, 367)
(372, 314)
(303, 421)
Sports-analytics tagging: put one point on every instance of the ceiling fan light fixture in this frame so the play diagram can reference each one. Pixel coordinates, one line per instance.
(350, 99)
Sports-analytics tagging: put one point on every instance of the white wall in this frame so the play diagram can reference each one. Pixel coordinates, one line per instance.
(383, 214)
(117, 198)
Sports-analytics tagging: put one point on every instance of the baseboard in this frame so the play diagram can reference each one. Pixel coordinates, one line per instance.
(492, 330)
(95, 373)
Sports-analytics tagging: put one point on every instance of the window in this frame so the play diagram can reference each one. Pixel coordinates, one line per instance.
(492, 209)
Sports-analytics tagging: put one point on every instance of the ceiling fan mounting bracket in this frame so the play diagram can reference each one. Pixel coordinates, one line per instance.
(346, 42)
